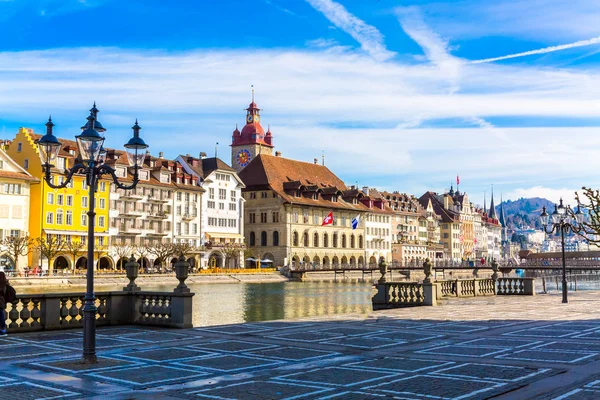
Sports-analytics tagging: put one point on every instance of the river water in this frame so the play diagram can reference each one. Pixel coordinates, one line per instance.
(221, 304)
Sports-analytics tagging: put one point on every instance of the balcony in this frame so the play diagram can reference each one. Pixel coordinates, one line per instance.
(157, 234)
(132, 194)
(130, 213)
(158, 215)
(158, 199)
(188, 217)
(217, 245)
(129, 230)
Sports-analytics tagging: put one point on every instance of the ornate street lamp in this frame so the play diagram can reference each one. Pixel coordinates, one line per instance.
(90, 163)
(565, 221)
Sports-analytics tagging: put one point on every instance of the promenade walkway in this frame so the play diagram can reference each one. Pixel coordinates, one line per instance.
(503, 348)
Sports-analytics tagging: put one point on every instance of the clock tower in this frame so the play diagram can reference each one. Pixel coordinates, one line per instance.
(251, 141)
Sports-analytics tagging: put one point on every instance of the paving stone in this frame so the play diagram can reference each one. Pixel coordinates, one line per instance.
(407, 336)
(501, 343)
(356, 396)
(23, 350)
(550, 356)
(308, 336)
(454, 328)
(292, 353)
(159, 337)
(234, 329)
(362, 342)
(491, 372)
(166, 354)
(230, 363)
(579, 394)
(422, 386)
(338, 376)
(31, 391)
(462, 351)
(400, 364)
(594, 335)
(101, 343)
(76, 365)
(542, 333)
(349, 331)
(52, 337)
(569, 346)
(148, 376)
(233, 346)
(261, 390)
(118, 331)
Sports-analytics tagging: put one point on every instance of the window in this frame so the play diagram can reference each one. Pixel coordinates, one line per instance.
(211, 204)
(186, 228)
(305, 239)
(187, 197)
(194, 229)
(232, 206)
(252, 218)
(263, 195)
(49, 217)
(12, 188)
(335, 240)
(19, 147)
(252, 239)
(102, 203)
(352, 241)
(221, 206)
(84, 202)
(275, 216)
(69, 217)
(222, 194)
(344, 241)
(263, 238)
(178, 228)
(233, 195)
(316, 240)
(233, 223)
(263, 217)
(325, 240)
(360, 242)
(26, 163)
(305, 218)
(1, 164)
(275, 238)
(69, 200)
(84, 219)
(178, 196)
(101, 241)
(59, 217)
(103, 186)
(252, 195)
(50, 198)
(60, 199)
(211, 193)
(101, 221)
(295, 239)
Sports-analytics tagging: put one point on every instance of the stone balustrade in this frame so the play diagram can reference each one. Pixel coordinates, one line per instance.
(398, 294)
(516, 286)
(465, 288)
(37, 312)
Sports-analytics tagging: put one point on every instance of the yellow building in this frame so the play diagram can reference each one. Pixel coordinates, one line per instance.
(60, 213)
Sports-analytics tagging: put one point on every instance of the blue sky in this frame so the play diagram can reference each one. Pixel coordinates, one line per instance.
(401, 95)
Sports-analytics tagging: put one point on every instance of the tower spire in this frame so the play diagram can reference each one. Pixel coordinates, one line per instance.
(484, 203)
(492, 213)
(252, 86)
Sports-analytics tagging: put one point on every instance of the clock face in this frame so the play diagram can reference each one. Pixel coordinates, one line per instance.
(243, 157)
(256, 118)
(249, 118)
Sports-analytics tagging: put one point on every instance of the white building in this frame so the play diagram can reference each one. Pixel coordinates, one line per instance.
(14, 206)
(222, 209)
(378, 227)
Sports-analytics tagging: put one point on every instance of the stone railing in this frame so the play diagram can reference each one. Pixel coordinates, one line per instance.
(131, 306)
(398, 294)
(465, 288)
(516, 286)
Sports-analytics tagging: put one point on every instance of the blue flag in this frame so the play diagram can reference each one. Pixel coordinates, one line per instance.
(355, 222)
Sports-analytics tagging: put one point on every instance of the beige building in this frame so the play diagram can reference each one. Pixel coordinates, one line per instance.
(286, 202)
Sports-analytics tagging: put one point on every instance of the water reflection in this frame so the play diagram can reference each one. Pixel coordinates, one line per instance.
(221, 304)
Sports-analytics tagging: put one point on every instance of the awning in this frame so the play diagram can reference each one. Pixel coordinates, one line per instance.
(218, 235)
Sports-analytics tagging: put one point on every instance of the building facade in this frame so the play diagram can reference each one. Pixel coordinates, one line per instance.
(15, 185)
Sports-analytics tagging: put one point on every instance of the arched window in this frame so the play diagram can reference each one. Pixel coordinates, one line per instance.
(335, 240)
(360, 242)
(252, 239)
(316, 240)
(325, 240)
(275, 238)
(343, 243)
(295, 239)
(305, 239)
(263, 238)
(352, 241)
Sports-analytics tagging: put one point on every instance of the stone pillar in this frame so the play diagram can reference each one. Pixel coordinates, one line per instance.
(430, 294)
(529, 286)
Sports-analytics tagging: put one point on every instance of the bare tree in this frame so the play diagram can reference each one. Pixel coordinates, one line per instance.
(142, 251)
(17, 246)
(123, 250)
(592, 223)
(162, 251)
(74, 249)
(183, 248)
(50, 248)
(231, 251)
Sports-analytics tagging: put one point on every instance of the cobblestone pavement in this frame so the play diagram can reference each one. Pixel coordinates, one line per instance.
(502, 348)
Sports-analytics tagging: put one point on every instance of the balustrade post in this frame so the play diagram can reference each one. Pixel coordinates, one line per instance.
(50, 308)
(430, 293)
(459, 288)
(476, 288)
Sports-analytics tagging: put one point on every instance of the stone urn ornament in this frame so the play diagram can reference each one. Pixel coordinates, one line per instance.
(383, 268)
(427, 269)
(182, 269)
(131, 268)
(494, 266)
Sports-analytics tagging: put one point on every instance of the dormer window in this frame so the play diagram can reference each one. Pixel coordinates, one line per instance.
(72, 152)
(144, 175)
(315, 196)
(334, 199)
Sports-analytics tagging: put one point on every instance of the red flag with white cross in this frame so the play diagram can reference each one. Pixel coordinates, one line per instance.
(328, 220)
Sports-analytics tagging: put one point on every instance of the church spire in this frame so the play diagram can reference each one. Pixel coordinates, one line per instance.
(502, 218)
(484, 203)
(492, 213)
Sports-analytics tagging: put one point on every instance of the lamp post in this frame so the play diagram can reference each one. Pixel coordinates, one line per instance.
(563, 220)
(90, 162)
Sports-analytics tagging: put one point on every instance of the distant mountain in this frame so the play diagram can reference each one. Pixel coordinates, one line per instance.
(525, 212)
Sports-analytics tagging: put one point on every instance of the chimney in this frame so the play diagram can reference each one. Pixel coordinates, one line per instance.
(316, 160)
(202, 155)
(366, 190)
(277, 154)
(160, 154)
(187, 155)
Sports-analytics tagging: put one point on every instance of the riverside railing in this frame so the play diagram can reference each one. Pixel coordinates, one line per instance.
(132, 306)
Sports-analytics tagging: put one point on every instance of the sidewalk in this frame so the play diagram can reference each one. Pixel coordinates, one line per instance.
(503, 347)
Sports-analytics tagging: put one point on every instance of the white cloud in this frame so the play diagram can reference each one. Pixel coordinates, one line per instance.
(370, 39)
(551, 49)
(554, 195)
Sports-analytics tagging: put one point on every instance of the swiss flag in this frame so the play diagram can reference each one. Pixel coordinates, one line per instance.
(328, 220)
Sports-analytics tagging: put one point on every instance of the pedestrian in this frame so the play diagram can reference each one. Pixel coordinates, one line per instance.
(4, 289)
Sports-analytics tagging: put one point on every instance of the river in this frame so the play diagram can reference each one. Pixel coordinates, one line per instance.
(221, 304)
